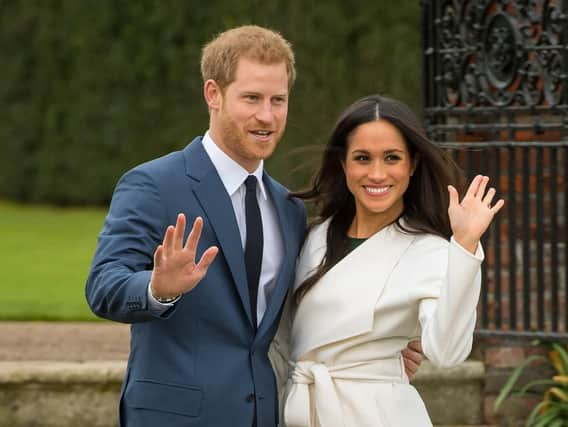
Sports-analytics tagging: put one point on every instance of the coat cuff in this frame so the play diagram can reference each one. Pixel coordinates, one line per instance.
(479, 253)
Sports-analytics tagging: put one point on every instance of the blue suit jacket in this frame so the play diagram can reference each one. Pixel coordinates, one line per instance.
(201, 363)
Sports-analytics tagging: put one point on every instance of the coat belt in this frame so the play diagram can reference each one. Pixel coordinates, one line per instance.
(327, 405)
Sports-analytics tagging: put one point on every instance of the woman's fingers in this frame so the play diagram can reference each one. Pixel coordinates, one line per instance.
(473, 187)
(482, 186)
(488, 198)
(497, 206)
(454, 196)
(478, 189)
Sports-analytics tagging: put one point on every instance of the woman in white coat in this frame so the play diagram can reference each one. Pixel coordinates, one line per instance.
(393, 255)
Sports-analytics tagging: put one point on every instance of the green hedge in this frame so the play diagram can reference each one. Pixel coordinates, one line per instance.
(89, 88)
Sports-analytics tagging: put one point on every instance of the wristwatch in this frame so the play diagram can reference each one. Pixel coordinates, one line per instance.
(163, 300)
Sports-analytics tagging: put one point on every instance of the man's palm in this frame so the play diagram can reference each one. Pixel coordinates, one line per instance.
(175, 270)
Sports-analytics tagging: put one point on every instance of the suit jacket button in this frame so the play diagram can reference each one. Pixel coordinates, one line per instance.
(250, 398)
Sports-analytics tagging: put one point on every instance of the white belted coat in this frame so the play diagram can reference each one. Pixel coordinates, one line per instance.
(343, 342)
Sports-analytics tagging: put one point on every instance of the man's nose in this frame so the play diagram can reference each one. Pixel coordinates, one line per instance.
(264, 113)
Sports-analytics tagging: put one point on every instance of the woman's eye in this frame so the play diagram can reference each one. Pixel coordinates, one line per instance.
(392, 158)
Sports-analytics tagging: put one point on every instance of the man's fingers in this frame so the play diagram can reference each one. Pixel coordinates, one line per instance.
(412, 355)
(194, 235)
(158, 256)
(410, 368)
(179, 232)
(416, 346)
(412, 358)
(169, 240)
(410, 365)
(206, 259)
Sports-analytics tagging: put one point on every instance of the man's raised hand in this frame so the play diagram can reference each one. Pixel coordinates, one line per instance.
(175, 270)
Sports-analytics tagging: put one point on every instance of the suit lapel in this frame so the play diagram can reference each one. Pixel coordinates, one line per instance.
(217, 207)
(279, 197)
(342, 304)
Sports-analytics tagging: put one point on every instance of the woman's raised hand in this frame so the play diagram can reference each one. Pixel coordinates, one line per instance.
(471, 217)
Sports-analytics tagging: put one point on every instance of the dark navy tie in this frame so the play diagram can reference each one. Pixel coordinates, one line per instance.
(254, 242)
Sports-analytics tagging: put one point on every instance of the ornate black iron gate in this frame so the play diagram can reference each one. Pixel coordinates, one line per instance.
(495, 82)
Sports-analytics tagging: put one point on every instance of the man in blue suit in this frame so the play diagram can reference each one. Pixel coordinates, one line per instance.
(204, 304)
(198, 340)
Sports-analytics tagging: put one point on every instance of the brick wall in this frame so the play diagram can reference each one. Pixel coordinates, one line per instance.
(500, 358)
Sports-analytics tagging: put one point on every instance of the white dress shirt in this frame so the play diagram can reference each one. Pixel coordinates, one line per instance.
(233, 177)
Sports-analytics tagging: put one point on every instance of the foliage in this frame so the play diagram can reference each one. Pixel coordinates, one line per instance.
(90, 88)
(552, 410)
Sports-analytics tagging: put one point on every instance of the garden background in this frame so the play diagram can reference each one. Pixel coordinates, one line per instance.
(90, 88)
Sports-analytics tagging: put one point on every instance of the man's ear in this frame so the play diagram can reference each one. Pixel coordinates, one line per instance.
(212, 94)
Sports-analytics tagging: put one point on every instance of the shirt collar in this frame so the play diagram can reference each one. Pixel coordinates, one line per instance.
(231, 173)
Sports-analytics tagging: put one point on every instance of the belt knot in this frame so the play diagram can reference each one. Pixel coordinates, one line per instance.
(306, 372)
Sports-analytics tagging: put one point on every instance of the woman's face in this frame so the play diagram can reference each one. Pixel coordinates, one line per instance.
(377, 169)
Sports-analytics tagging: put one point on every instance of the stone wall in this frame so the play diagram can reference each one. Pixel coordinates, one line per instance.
(59, 394)
(71, 394)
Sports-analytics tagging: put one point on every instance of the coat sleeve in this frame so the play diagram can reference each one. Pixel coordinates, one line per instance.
(118, 281)
(450, 283)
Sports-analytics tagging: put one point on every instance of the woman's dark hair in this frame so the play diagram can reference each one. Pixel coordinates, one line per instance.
(425, 200)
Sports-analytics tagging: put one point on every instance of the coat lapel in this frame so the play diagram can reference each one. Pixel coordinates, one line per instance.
(217, 207)
(342, 304)
(284, 210)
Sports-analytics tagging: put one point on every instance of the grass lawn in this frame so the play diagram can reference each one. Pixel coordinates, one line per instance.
(45, 256)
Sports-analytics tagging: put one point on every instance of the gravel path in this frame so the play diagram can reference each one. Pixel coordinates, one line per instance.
(64, 341)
